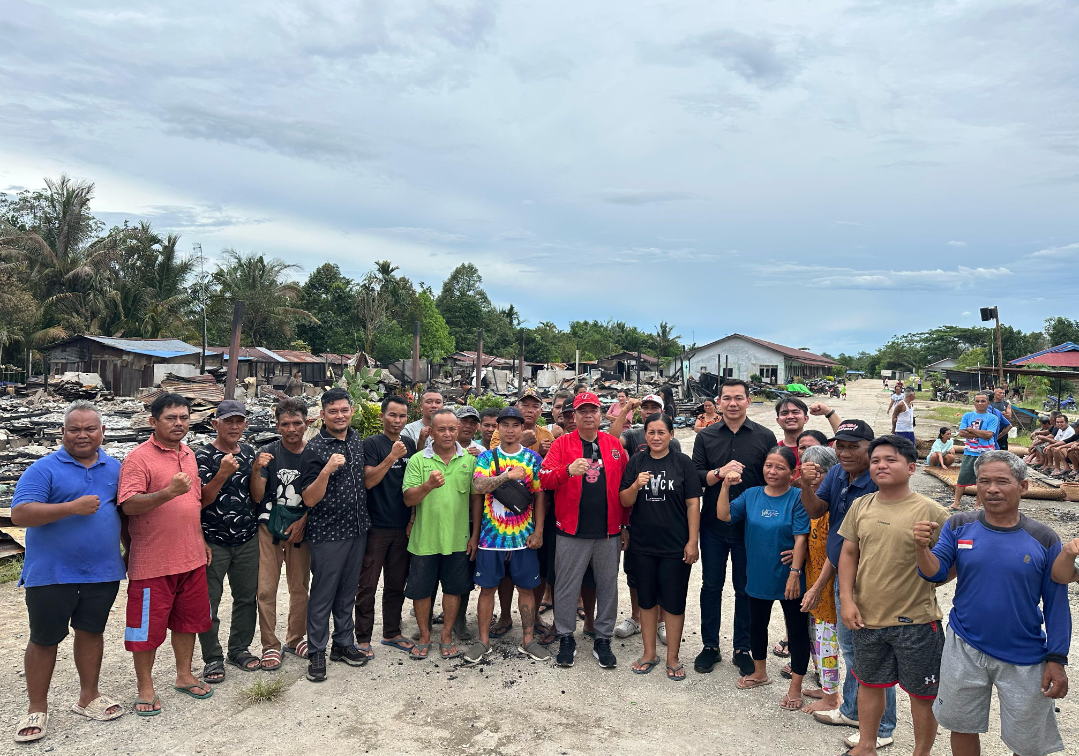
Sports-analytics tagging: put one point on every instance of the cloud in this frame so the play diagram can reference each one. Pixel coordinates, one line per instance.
(957, 244)
(756, 59)
(1056, 253)
(184, 218)
(914, 164)
(823, 277)
(432, 235)
(965, 314)
(847, 223)
(643, 197)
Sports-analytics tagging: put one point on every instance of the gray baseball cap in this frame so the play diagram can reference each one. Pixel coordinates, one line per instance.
(468, 411)
(231, 408)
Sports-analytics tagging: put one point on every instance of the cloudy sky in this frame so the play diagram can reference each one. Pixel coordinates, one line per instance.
(822, 175)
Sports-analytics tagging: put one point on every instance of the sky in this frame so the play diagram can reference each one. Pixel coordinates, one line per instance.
(823, 174)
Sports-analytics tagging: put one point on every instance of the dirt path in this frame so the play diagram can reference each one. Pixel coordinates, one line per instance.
(506, 706)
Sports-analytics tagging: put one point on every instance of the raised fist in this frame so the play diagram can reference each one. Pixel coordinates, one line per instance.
(579, 466)
(263, 459)
(228, 466)
(335, 461)
(923, 533)
(398, 449)
(733, 478)
(179, 485)
(85, 505)
(436, 479)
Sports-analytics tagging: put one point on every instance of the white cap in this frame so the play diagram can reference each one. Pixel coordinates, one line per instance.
(653, 398)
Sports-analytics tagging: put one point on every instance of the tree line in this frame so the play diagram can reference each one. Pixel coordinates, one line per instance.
(62, 273)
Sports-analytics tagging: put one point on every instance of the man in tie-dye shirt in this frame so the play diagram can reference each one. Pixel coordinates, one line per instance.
(506, 541)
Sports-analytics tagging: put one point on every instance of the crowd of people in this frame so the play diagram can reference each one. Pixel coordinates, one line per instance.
(826, 525)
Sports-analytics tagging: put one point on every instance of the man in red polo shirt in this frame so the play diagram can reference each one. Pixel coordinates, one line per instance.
(160, 492)
(584, 469)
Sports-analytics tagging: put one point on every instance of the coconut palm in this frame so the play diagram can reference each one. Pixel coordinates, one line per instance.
(270, 310)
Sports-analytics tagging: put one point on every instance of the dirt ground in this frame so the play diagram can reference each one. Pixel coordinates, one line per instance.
(505, 706)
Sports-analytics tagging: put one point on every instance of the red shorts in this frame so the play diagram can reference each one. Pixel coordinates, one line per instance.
(180, 603)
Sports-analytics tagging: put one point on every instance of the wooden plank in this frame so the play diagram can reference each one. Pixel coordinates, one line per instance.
(16, 534)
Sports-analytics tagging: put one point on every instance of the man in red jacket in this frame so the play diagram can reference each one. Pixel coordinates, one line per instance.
(584, 468)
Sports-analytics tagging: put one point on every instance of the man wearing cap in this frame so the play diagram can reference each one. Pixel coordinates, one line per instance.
(535, 437)
(833, 493)
(468, 422)
(504, 534)
(734, 444)
(584, 468)
(229, 526)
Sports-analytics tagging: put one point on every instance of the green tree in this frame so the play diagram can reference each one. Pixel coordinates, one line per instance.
(972, 358)
(666, 340)
(271, 309)
(1060, 330)
(464, 305)
(330, 296)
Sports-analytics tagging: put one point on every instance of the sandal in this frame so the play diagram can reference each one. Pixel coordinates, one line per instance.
(476, 652)
(545, 634)
(498, 631)
(271, 660)
(151, 712)
(419, 651)
(644, 666)
(300, 650)
(580, 612)
(545, 607)
(781, 649)
(401, 644)
(589, 634)
(746, 684)
(98, 709)
(791, 704)
(786, 672)
(38, 719)
(190, 690)
(243, 661)
(214, 672)
(672, 673)
(365, 649)
(444, 649)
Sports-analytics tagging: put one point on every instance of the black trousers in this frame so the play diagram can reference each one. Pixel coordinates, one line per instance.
(760, 611)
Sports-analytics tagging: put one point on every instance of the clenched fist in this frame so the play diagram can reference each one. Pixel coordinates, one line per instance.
(923, 533)
(85, 505)
(334, 462)
(733, 478)
(263, 459)
(819, 408)
(528, 438)
(516, 473)
(436, 479)
(544, 447)
(179, 485)
(228, 466)
(579, 466)
(398, 450)
(643, 478)
(811, 476)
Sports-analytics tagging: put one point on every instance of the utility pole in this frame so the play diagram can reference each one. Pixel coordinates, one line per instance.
(521, 367)
(479, 362)
(416, 352)
(993, 313)
(234, 349)
(202, 300)
(638, 371)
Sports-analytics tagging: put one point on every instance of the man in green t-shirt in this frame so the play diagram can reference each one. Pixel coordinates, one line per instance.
(438, 481)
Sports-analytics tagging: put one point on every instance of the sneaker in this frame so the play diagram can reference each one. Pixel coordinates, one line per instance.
(316, 666)
(661, 632)
(852, 741)
(567, 649)
(350, 655)
(602, 651)
(535, 650)
(706, 660)
(626, 628)
(744, 662)
(834, 717)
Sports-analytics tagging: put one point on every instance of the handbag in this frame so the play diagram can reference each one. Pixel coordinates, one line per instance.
(513, 494)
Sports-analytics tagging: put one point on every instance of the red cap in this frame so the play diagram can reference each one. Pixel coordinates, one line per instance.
(586, 397)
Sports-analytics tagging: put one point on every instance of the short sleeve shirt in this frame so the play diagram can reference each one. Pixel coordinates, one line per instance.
(659, 520)
(888, 590)
(840, 492)
(985, 421)
(542, 434)
(771, 524)
(441, 525)
(167, 540)
(342, 512)
(282, 481)
(385, 501)
(229, 520)
(501, 529)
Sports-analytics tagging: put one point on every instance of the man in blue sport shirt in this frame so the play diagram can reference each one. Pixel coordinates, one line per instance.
(833, 494)
(1004, 588)
(73, 568)
(980, 429)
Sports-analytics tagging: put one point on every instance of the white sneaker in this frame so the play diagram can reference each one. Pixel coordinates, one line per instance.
(661, 631)
(881, 742)
(626, 628)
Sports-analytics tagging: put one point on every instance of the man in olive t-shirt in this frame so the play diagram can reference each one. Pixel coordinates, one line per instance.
(892, 611)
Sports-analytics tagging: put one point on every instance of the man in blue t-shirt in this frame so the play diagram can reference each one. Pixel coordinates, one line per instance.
(73, 568)
(1004, 591)
(980, 429)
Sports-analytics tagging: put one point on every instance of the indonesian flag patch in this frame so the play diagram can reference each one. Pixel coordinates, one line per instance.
(966, 544)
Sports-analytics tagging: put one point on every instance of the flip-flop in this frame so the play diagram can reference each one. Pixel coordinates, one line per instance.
(545, 607)
(98, 709)
(366, 651)
(545, 634)
(444, 647)
(672, 673)
(499, 630)
(645, 666)
(781, 649)
(271, 660)
(190, 690)
(787, 704)
(415, 652)
(401, 644)
(751, 683)
(589, 634)
(151, 712)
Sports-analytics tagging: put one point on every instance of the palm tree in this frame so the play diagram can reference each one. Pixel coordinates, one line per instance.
(666, 339)
(269, 298)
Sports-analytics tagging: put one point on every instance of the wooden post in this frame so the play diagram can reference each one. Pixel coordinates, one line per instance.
(521, 367)
(416, 352)
(1000, 349)
(638, 371)
(234, 349)
(479, 362)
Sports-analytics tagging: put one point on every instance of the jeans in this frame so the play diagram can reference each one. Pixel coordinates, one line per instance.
(849, 708)
(714, 551)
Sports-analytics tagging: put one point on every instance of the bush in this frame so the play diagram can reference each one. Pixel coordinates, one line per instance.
(755, 378)
(483, 401)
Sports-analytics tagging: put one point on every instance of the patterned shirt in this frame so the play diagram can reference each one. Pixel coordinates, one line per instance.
(342, 512)
(501, 529)
(230, 519)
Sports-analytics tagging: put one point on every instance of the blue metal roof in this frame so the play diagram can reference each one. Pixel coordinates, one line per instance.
(164, 348)
(1067, 346)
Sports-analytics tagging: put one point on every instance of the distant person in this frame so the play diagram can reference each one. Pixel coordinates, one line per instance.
(669, 407)
(980, 429)
(466, 391)
(488, 426)
(1039, 440)
(72, 568)
(1056, 453)
(614, 409)
(419, 430)
(943, 452)
(903, 415)
(708, 417)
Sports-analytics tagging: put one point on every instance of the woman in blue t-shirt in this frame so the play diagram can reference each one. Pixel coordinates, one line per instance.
(775, 522)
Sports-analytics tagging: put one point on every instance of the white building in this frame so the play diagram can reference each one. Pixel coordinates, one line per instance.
(738, 356)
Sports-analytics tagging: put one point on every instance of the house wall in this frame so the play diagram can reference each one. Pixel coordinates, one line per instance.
(123, 373)
(743, 358)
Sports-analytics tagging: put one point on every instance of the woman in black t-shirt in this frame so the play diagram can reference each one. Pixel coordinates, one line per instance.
(664, 490)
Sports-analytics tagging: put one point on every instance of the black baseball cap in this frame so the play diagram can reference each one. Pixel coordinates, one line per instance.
(510, 413)
(853, 430)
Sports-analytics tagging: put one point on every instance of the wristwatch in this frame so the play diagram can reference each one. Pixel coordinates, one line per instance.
(796, 571)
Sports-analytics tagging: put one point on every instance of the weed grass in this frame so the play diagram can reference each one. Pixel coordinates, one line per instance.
(10, 569)
(264, 691)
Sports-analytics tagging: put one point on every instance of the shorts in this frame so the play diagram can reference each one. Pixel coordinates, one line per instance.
(662, 580)
(543, 553)
(426, 572)
(1002, 442)
(522, 565)
(589, 580)
(1028, 723)
(909, 435)
(966, 471)
(85, 606)
(627, 567)
(180, 603)
(905, 654)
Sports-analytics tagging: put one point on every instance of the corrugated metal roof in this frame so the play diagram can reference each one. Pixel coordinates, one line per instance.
(290, 355)
(254, 354)
(465, 356)
(1062, 355)
(151, 347)
(798, 355)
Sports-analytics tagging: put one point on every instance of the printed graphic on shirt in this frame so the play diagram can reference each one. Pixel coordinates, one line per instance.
(230, 519)
(658, 486)
(595, 467)
(501, 529)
